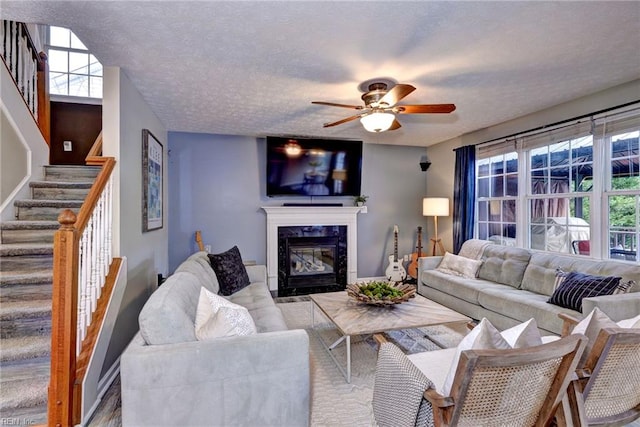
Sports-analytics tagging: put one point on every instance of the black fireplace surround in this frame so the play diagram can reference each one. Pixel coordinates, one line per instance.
(312, 259)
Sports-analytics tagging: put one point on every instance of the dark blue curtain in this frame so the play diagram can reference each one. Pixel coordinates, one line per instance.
(464, 192)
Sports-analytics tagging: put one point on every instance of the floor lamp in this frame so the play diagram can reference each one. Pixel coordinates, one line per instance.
(435, 207)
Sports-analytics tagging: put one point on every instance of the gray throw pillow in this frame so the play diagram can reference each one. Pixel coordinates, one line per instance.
(230, 271)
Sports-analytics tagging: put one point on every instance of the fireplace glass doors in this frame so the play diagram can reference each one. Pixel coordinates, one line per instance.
(311, 259)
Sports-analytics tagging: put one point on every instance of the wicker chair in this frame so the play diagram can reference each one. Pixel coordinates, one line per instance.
(607, 389)
(519, 387)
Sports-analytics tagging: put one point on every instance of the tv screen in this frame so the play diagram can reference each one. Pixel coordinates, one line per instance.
(313, 167)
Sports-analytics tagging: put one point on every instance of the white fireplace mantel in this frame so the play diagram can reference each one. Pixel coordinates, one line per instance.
(286, 216)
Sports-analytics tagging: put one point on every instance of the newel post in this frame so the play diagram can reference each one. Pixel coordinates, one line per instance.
(64, 314)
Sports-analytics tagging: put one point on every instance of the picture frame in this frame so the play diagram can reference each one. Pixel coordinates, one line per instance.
(152, 182)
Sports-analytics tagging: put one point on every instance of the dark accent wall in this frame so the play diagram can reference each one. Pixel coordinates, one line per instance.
(79, 123)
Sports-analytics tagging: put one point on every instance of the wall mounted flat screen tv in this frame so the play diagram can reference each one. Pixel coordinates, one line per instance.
(313, 167)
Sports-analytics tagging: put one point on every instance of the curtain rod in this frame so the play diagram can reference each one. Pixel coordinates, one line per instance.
(544, 127)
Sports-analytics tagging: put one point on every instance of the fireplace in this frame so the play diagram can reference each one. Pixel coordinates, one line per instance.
(312, 216)
(312, 259)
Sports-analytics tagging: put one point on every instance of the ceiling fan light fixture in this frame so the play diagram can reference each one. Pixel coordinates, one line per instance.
(378, 121)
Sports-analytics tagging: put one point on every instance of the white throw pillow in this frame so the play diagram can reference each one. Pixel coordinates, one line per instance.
(484, 336)
(590, 326)
(459, 266)
(525, 334)
(634, 322)
(218, 317)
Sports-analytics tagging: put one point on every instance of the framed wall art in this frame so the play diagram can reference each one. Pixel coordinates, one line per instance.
(152, 167)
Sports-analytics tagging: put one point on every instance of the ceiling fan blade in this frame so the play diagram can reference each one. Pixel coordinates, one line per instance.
(424, 109)
(333, 104)
(395, 94)
(339, 122)
(395, 125)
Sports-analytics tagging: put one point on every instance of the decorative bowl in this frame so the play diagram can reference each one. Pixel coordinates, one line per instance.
(381, 293)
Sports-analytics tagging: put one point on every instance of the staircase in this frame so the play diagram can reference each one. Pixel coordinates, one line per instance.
(26, 263)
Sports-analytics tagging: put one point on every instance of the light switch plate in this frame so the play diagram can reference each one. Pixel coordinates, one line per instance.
(66, 145)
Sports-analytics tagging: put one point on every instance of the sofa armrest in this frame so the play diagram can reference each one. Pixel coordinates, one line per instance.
(617, 307)
(429, 262)
(248, 380)
(257, 273)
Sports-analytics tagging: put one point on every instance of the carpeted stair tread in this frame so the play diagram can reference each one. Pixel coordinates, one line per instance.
(26, 347)
(29, 225)
(33, 415)
(26, 277)
(18, 249)
(36, 203)
(24, 383)
(60, 184)
(14, 310)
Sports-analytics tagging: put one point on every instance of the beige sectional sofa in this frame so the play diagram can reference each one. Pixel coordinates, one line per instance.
(170, 378)
(514, 284)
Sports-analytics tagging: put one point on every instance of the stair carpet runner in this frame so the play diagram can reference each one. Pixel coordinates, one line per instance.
(26, 273)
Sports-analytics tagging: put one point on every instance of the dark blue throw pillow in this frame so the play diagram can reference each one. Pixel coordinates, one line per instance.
(230, 271)
(577, 286)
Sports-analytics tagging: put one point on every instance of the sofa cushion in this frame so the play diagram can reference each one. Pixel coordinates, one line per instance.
(268, 319)
(577, 286)
(460, 287)
(198, 265)
(522, 305)
(257, 299)
(541, 272)
(217, 317)
(231, 272)
(503, 264)
(168, 315)
(256, 295)
(459, 266)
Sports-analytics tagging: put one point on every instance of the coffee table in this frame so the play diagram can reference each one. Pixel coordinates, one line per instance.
(352, 318)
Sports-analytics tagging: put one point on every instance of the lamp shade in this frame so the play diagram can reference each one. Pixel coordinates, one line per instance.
(435, 206)
(377, 122)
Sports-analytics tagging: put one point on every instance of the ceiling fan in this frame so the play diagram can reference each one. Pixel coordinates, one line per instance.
(380, 109)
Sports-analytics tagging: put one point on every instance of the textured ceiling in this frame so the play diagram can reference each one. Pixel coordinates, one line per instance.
(253, 67)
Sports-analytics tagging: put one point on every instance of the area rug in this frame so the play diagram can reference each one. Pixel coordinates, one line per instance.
(334, 402)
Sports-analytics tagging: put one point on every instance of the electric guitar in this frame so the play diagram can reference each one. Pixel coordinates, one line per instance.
(395, 271)
(413, 266)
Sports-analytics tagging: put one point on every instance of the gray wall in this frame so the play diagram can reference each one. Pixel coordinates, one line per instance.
(125, 114)
(217, 186)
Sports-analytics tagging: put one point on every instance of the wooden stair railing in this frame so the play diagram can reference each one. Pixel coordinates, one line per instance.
(29, 70)
(83, 279)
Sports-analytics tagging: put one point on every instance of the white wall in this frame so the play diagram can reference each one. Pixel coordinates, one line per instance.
(441, 173)
(125, 114)
(27, 145)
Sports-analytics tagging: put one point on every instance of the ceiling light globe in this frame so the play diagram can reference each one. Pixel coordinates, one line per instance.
(377, 122)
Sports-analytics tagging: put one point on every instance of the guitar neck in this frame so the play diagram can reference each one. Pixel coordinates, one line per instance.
(395, 245)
